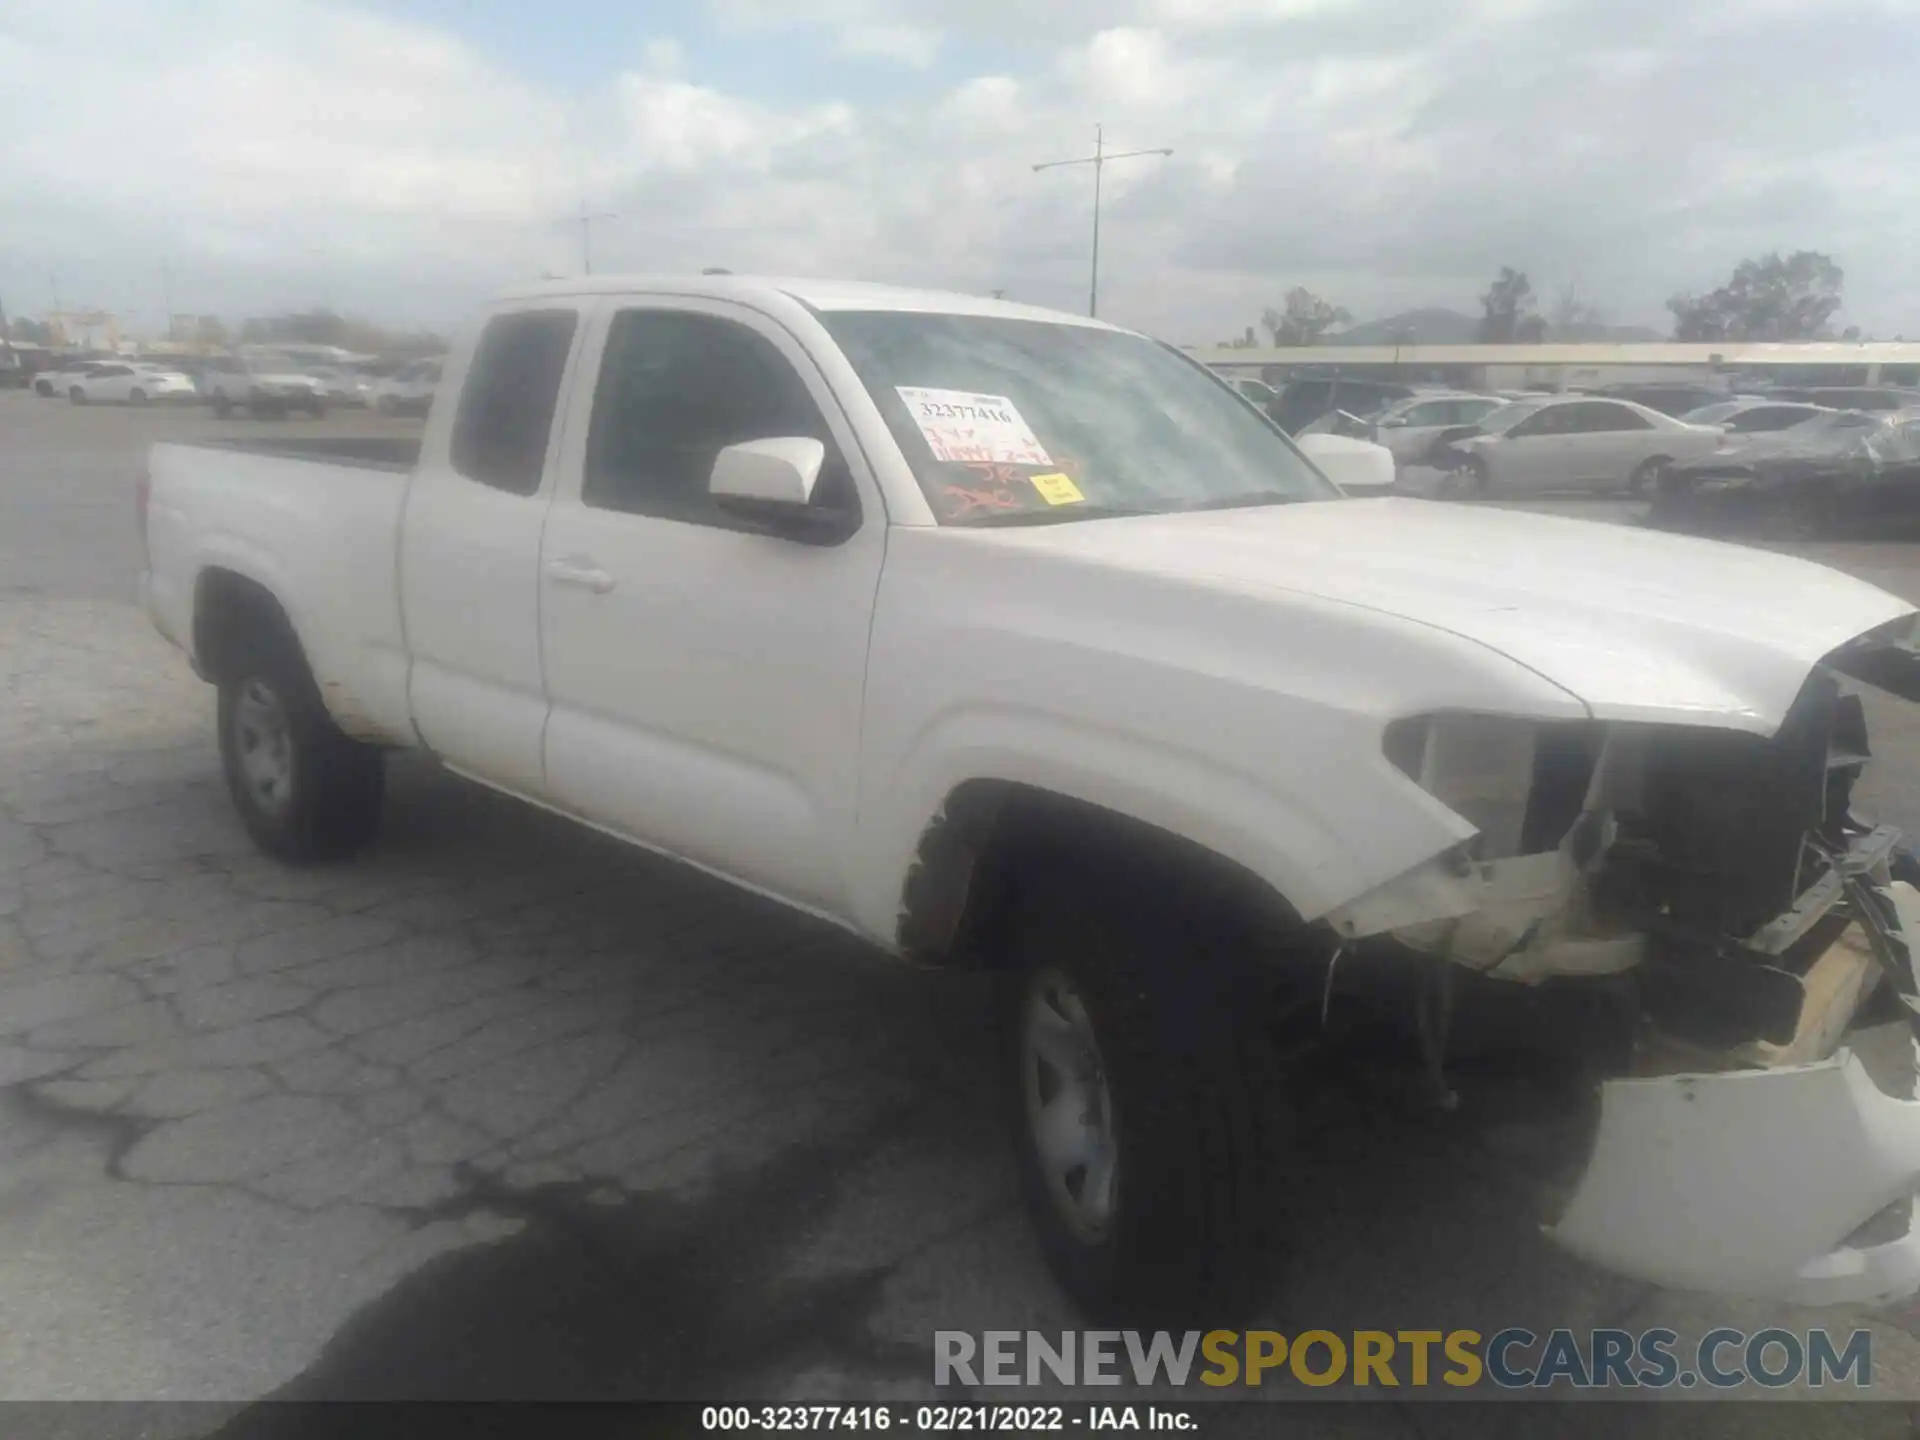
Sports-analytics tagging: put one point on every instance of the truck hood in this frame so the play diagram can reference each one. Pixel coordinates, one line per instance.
(1639, 626)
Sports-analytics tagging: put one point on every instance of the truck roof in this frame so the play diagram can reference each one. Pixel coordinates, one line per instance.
(826, 295)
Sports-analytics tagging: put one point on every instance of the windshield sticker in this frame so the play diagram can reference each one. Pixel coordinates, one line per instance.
(960, 426)
(1057, 489)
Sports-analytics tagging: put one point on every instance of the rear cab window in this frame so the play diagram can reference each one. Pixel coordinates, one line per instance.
(507, 404)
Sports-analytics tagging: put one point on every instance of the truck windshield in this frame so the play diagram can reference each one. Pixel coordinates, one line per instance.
(1026, 421)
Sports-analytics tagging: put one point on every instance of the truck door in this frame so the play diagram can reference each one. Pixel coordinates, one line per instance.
(470, 550)
(705, 679)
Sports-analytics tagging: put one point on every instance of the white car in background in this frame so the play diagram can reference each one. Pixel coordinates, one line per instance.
(57, 382)
(1258, 391)
(264, 386)
(129, 384)
(1578, 442)
(341, 385)
(1410, 428)
(408, 391)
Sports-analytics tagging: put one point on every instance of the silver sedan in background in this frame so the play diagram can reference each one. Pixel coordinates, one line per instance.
(1577, 442)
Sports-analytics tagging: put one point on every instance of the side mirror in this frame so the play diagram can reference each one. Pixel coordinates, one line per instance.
(770, 484)
(1357, 465)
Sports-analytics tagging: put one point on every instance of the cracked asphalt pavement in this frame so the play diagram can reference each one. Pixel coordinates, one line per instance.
(503, 1109)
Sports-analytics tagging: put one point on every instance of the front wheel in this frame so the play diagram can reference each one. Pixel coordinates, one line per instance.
(1646, 475)
(222, 406)
(137, 397)
(1146, 1111)
(305, 791)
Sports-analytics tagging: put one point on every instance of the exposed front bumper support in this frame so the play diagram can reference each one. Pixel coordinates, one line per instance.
(1750, 1181)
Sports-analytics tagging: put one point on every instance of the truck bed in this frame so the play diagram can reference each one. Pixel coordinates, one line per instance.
(363, 452)
(316, 523)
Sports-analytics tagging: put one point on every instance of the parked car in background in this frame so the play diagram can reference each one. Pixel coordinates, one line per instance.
(340, 384)
(1411, 428)
(264, 387)
(1849, 397)
(408, 391)
(1842, 470)
(129, 384)
(1673, 398)
(55, 382)
(21, 361)
(1577, 442)
(1747, 417)
(1301, 402)
(1258, 391)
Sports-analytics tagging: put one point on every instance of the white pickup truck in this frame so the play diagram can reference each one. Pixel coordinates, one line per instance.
(1010, 639)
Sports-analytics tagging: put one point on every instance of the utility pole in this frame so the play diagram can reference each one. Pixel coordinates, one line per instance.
(1100, 159)
(166, 294)
(585, 222)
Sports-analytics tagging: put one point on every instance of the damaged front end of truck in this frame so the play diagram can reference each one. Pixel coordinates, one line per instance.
(1725, 881)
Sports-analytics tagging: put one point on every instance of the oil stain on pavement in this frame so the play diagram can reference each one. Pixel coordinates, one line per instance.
(612, 1297)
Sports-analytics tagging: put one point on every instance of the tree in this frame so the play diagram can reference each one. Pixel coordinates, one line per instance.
(1305, 319)
(1508, 307)
(1770, 297)
(30, 332)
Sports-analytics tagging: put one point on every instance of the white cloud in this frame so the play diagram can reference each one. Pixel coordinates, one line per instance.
(1389, 153)
(915, 45)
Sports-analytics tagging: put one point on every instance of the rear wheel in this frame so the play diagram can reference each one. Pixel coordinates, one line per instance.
(137, 397)
(305, 791)
(1148, 1121)
(76, 395)
(316, 408)
(222, 406)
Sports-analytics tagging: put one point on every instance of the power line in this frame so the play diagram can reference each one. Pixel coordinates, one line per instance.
(1100, 159)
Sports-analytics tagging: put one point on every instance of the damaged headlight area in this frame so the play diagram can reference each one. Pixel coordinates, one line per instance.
(1749, 921)
(1599, 847)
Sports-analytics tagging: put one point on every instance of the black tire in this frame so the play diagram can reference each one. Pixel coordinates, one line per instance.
(329, 804)
(43, 388)
(317, 409)
(222, 406)
(1199, 1125)
(136, 397)
(1647, 474)
(76, 396)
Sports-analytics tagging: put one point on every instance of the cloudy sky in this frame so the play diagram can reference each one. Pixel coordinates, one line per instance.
(397, 159)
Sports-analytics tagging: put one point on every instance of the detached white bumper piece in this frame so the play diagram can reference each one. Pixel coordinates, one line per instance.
(1750, 1181)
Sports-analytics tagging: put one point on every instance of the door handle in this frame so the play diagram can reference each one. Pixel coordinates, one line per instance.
(582, 573)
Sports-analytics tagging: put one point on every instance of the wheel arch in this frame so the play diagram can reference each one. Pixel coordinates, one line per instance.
(990, 835)
(236, 618)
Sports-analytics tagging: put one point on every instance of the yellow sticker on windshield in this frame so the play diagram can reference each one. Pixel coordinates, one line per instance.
(1057, 489)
